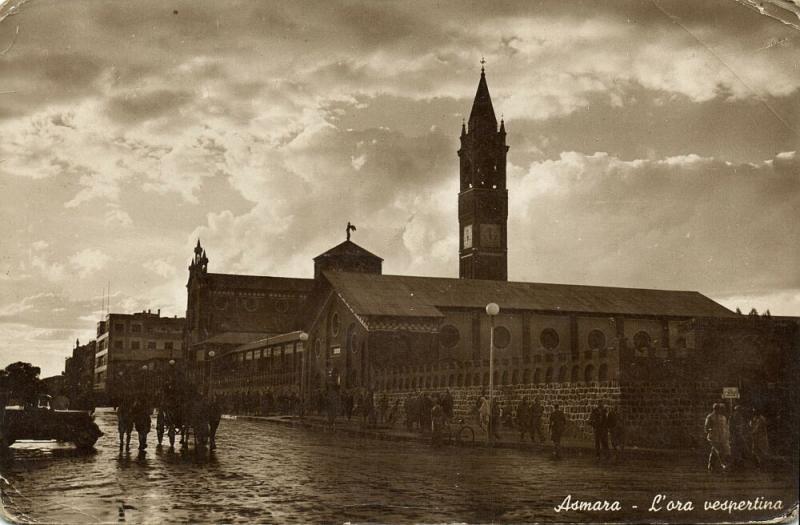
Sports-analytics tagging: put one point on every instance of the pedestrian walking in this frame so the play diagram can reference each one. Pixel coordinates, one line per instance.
(437, 422)
(537, 411)
(494, 419)
(125, 422)
(616, 431)
(160, 424)
(214, 417)
(741, 442)
(426, 405)
(484, 413)
(718, 435)
(383, 408)
(558, 423)
(141, 421)
(333, 406)
(598, 420)
(447, 404)
(760, 438)
(524, 418)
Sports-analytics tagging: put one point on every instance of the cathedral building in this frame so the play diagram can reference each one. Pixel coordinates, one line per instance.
(657, 355)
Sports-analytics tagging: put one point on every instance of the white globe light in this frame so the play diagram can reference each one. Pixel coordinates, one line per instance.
(303, 336)
(492, 309)
(211, 353)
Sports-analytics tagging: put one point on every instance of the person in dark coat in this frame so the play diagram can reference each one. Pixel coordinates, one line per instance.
(537, 411)
(494, 418)
(740, 435)
(141, 421)
(598, 420)
(214, 417)
(558, 423)
(447, 404)
(125, 422)
(426, 404)
(616, 431)
(524, 418)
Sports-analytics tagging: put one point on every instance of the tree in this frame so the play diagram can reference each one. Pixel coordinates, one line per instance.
(21, 380)
(738, 311)
(753, 312)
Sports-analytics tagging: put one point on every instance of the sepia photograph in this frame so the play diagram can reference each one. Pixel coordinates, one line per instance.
(362, 261)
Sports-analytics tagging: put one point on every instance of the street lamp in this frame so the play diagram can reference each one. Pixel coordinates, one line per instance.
(303, 371)
(211, 355)
(492, 309)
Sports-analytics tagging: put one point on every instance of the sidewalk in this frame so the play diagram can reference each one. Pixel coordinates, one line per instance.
(508, 438)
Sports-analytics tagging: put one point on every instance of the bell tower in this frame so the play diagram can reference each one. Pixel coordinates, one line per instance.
(483, 197)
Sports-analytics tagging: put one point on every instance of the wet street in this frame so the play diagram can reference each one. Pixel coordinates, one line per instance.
(264, 472)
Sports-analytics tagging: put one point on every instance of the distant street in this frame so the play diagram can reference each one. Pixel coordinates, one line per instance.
(270, 473)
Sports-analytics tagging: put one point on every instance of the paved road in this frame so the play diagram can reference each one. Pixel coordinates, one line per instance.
(264, 472)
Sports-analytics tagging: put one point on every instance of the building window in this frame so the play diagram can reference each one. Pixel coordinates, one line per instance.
(502, 337)
(549, 339)
(526, 376)
(335, 324)
(151, 345)
(641, 342)
(136, 328)
(602, 373)
(597, 340)
(575, 374)
(537, 376)
(562, 374)
(449, 336)
(118, 345)
(168, 345)
(135, 345)
(119, 327)
(548, 375)
(588, 375)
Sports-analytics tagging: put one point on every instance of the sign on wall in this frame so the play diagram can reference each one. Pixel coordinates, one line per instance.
(730, 392)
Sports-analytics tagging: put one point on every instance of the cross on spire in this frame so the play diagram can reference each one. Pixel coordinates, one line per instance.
(483, 61)
(350, 228)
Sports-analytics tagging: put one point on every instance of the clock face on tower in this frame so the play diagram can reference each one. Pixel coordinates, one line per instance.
(468, 236)
(490, 236)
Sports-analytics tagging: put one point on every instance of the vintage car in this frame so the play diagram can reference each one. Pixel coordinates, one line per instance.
(44, 423)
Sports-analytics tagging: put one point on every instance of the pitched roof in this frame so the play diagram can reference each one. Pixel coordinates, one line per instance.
(258, 282)
(267, 341)
(397, 295)
(348, 247)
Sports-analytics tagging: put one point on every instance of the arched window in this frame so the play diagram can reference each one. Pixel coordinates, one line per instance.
(468, 380)
(514, 377)
(537, 376)
(526, 376)
(575, 376)
(451, 381)
(485, 378)
(548, 376)
(476, 380)
(505, 377)
(562, 374)
(588, 375)
(602, 373)
(460, 380)
(641, 343)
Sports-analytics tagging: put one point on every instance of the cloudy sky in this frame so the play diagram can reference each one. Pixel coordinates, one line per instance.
(653, 144)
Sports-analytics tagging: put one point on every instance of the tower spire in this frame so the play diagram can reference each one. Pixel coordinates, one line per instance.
(482, 117)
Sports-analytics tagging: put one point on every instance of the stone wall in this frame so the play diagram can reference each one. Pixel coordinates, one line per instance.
(654, 414)
(576, 400)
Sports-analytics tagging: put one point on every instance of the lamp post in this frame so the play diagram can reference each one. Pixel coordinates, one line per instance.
(492, 309)
(303, 367)
(211, 355)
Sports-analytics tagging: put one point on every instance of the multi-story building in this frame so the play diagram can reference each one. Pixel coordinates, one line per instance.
(79, 372)
(127, 343)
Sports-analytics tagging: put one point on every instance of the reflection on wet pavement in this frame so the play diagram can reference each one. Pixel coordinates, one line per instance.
(270, 473)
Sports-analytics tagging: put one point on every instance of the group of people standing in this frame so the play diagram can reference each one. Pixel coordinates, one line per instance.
(176, 414)
(605, 423)
(737, 439)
